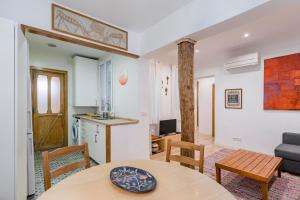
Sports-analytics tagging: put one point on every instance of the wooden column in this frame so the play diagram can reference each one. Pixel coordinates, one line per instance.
(186, 91)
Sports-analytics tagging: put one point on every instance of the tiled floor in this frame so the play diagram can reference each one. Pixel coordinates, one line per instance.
(39, 184)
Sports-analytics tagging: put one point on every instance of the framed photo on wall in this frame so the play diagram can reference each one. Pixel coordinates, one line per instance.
(234, 98)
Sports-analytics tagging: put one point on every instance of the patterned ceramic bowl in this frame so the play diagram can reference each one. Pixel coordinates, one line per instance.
(133, 179)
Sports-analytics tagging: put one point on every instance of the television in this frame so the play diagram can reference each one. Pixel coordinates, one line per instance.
(167, 126)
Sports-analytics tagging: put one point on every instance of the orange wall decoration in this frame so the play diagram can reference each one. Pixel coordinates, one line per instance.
(282, 83)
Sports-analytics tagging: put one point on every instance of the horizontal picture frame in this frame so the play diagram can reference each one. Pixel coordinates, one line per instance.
(76, 24)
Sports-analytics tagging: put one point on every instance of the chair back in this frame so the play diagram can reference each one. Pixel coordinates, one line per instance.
(48, 156)
(183, 159)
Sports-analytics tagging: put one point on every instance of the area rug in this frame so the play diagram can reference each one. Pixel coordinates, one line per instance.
(285, 188)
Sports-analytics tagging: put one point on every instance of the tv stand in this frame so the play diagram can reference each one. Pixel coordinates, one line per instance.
(170, 134)
(162, 141)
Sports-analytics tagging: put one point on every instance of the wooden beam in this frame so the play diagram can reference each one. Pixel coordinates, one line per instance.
(186, 91)
(65, 38)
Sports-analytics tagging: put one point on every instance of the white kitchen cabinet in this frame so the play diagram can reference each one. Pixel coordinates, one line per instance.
(102, 143)
(85, 82)
(94, 134)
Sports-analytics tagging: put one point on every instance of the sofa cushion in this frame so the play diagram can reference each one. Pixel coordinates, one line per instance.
(291, 138)
(288, 151)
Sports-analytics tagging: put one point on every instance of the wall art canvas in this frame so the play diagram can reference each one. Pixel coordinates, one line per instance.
(282, 83)
(73, 23)
(233, 98)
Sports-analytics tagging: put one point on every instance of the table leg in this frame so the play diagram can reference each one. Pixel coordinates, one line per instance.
(264, 190)
(279, 171)
(218, 174)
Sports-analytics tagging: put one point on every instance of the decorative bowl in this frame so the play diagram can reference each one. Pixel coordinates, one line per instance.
(133, 179)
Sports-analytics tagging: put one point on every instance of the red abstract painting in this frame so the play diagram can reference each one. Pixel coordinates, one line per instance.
(282, 83)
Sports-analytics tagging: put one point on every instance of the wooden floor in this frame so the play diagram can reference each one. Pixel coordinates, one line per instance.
(207, 140)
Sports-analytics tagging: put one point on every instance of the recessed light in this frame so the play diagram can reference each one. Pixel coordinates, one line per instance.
(246, 35)
(51, 45)
(197, 50)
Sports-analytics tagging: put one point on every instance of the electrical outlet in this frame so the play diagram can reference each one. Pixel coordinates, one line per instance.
(237, 139)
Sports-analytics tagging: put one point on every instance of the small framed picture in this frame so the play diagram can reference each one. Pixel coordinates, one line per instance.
(233, 98)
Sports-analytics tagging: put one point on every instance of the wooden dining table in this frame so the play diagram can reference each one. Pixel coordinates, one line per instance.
(173, 182)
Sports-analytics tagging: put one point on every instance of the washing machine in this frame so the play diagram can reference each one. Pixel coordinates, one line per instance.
(76, 131)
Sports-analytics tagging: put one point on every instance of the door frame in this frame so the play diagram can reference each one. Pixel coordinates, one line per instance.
(197, 102)
(213, 109)
(65, 75)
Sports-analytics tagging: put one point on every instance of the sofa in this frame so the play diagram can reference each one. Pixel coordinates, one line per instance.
(289, 150)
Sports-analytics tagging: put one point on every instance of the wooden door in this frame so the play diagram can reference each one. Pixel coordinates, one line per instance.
(49, 103)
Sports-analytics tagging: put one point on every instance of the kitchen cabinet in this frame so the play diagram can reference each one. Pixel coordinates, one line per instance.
(114, 139)
(94, 135)
(106, 77)
(85, 82)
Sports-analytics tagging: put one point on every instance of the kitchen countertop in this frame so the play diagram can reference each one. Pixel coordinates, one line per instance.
(109, 122)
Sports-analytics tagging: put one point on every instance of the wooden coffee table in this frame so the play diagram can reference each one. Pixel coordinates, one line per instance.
(256, 166)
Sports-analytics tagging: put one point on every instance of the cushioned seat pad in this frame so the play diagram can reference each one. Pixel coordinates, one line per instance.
(288, 151)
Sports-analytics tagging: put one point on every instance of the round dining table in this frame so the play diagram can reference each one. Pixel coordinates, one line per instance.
(173, 182)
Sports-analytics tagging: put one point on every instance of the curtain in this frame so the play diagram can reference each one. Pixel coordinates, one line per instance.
(155, 95)
(155, 87)
(175, 101)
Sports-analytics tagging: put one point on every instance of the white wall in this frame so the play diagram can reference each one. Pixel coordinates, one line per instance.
(205, 105)
(13, 106)
(21, 72)
(131, 101)
(165, 111)
(55, 60)
(129, 142)
(7, 115)
(258, 129)
(126, 97)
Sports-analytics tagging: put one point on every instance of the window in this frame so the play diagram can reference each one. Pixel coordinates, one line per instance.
(42, 94)
(55, 94)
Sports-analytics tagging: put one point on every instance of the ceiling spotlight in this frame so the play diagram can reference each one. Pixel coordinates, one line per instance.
(197, 50)
(52, 45)
(246, 35)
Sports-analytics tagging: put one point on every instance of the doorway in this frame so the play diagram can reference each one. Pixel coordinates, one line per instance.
(49, 108)
(205, 105)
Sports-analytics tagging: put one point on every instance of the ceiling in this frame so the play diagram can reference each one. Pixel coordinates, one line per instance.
(64, 48)
(135, 15)
(274, 22)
